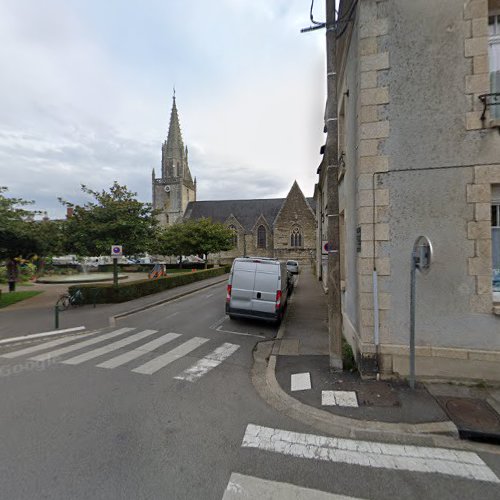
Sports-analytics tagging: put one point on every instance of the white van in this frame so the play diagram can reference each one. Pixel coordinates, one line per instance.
(258, 287)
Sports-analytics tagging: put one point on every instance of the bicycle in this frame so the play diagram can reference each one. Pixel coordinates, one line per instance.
(75, 299)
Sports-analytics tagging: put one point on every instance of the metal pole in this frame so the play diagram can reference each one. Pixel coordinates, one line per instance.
(115, 272)
(413, 285)
(56, 316)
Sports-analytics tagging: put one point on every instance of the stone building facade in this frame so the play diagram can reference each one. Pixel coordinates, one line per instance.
(418, 154)
(282, 228)
(175, 188)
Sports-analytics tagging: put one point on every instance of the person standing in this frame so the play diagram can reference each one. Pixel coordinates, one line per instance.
(12, 274)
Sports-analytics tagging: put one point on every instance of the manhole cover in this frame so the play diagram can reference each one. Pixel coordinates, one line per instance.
(471, 414)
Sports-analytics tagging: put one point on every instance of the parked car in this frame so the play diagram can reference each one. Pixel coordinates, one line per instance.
(65, 260)
(258, 287)
(292, 266)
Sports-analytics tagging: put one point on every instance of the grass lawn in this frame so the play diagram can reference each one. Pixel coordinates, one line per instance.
(11, 298)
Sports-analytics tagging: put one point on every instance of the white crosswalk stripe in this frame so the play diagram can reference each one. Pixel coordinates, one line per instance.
(209, 362)
(154, 363)
(95, 353)
(247, 487)
(139, 351)
(165, 359)
(79, 345)
(370, 454)
(41, 347)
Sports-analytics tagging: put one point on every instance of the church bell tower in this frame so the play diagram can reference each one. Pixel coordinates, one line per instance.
(175, 188)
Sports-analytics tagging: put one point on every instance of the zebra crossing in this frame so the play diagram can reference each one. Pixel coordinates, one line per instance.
(58, 350)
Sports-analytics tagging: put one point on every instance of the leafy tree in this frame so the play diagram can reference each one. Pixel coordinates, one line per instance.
(18, 235)
(168, 242)
(195, 237)
(50, 235)
(115, 217)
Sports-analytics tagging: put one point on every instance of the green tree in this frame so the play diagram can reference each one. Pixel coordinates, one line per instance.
(18, 235)
(168, 242)
(196, 237)
(114, 217)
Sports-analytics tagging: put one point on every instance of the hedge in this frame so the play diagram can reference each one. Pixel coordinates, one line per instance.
(146, 268)
(106, 293)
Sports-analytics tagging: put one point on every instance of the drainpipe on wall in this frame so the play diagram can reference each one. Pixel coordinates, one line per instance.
(332, 220)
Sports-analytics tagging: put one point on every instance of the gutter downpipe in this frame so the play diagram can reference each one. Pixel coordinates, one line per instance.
(376, 320)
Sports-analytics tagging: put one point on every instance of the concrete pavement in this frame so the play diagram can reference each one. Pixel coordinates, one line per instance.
(386, 410)
(36, 314)
(301, 347)
(80, 419)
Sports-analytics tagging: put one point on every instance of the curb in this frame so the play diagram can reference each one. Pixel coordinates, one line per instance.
(263, 376)
(115, 318)
(440, 434)
(34, 336)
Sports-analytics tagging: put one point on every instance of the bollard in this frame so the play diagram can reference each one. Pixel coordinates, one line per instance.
(56, 316)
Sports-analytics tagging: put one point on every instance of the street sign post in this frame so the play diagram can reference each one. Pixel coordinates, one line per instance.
(116, 251)
(421, 258)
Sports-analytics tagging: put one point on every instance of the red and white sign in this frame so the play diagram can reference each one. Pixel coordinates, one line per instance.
(116, 251)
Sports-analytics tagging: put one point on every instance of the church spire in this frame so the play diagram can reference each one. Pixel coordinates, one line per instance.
(175, 145)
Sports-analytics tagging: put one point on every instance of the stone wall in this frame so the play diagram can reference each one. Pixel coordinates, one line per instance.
(423, 163)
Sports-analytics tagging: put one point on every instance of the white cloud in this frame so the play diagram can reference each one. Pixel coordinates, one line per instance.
(86, 87)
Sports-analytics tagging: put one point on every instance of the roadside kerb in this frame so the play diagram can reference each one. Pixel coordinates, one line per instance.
(40, 335)
(443, 434)
(114, 319)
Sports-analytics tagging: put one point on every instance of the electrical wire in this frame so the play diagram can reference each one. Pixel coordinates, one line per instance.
(349, 15)
(311, 15)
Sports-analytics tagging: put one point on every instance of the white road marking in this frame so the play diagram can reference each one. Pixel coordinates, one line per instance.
(209, 295)
(170, 315)
(165, 359)
(143, 349)
(339, 398)
(44, 334)
(79, 345)
(370, 454)
(209, 362)
(248, 487)
(300, 381)
(95, 353)
(219, 329)
(41, 347)
(218, 322)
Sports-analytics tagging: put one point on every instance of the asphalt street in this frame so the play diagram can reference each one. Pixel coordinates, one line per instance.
(161, 406)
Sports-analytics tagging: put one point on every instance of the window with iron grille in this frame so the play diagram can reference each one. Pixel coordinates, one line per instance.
(261, 237)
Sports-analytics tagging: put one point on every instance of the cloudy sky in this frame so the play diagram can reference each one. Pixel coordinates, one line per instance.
(86, 92)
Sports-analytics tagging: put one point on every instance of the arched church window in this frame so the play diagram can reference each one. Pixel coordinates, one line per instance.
(261, 237)
(235, 236)
(296, 237)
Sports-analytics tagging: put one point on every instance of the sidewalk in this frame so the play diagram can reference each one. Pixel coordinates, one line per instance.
(36, 314)
(389, 406)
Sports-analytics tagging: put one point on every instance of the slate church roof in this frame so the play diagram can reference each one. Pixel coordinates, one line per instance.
(245, 211)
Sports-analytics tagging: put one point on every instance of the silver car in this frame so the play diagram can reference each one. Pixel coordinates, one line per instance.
(292, 266)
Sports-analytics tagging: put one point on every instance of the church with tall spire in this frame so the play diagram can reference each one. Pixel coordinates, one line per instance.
(283, 228)
(175, 188)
